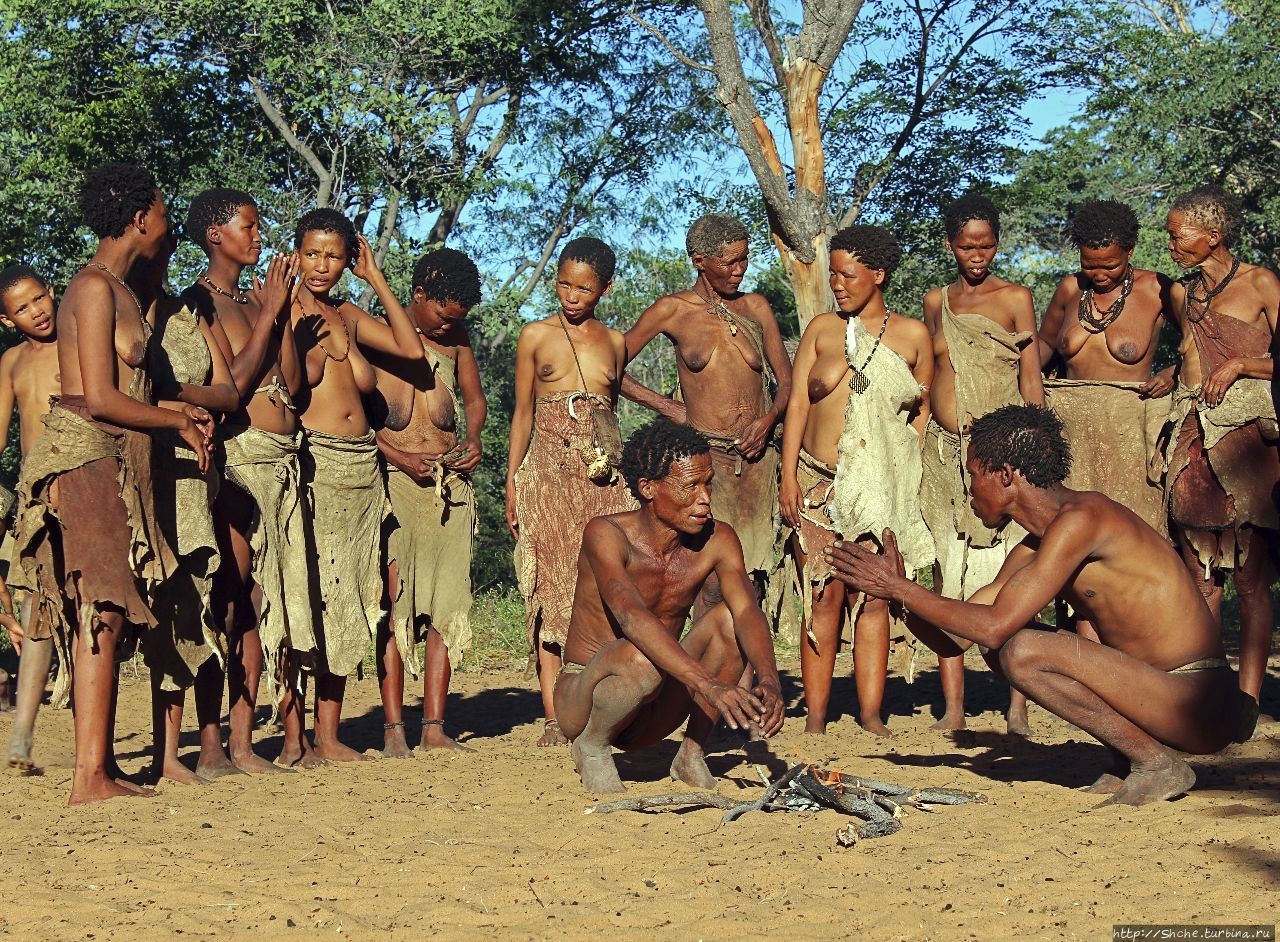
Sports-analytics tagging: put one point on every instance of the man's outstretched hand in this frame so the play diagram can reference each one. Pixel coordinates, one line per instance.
(881, 575)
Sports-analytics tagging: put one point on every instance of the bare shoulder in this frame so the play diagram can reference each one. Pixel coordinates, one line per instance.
(533, 332)
(758, 307)
(1009, 293)
(1262, 280)
(909, 328)
(724, 541)
(1069, 285)
(9, 361)
(933, 301)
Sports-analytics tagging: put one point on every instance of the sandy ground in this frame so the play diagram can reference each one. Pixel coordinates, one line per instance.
(496, 843)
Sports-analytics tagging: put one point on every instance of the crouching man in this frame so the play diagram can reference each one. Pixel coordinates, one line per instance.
(1156, 681)
(629, 679)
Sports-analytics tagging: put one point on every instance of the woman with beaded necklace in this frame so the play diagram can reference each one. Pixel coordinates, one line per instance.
(1223, 467)
(851, 462)
(1099, 336)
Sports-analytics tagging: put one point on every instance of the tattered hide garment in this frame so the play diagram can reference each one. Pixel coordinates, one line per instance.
(431, 545)
(185, 635)
(984, 358)
(816, 532)
(877, 481)
(555, 500)
(265, 465)
(1223, 468)
(1113, 433)
(95, 545)
(348, 503)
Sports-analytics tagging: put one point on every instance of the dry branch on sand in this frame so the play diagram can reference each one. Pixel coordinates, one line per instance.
(811, 788)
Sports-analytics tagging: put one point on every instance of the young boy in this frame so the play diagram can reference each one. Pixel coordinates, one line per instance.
(262, 542)
(90, 473)
(28, 380)
(429, 483)
(568, 373)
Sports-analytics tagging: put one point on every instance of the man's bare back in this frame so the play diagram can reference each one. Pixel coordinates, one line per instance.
(1159, 679)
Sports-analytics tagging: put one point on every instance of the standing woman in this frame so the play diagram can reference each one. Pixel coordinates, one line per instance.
(562, 468)
(851, 461)
(345, 486)
(1102, 328)
(1223, 467)
(985, 357)
(186, 366)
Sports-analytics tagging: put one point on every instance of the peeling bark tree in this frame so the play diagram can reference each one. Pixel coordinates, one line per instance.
(799, 219)
(951, 63)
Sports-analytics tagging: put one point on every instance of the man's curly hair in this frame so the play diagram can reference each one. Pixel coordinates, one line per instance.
(651, 450)
(214, 207)
(967, 208)
(591, 252)
(874, 246)
(112, 194)
(709, 234)
(1211, 207)
(328, 220)
(15, 274)
(448, 275)
(1099, 223)
(1028, 439)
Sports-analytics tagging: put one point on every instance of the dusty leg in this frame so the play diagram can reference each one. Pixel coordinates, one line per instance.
(166, 725)
(213, 762)
(436, 673)
(1015, 719)
(391, 688)
(951, 672)
(713, 644)
(1125, 704)
(330, 689)
(871, 664)
(1253, 582)
(33, 674)
(818, 662)
(297, 749)
(598, 703)
(93, 685)
(549, 663)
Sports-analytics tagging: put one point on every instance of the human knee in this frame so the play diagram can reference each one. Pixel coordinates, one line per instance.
(639, 671)
(1021, 654)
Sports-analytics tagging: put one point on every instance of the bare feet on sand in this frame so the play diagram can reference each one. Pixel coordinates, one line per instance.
(215, 764)
(875, 726)
(433, 737)
(299, 757)
(101, 787)
(394, 745)
(690, 766)
(551, 735)
(1016, 723)
(815, 725)
(1159, 780)
(20, 755)
(598, 770)
(334, 751)
(250, 763)
(951, 720)
(175, 771)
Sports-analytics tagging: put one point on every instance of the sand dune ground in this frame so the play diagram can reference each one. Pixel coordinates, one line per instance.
(495, 843)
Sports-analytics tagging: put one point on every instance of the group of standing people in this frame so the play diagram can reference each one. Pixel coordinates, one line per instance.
(250, 487)
(257, 485)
